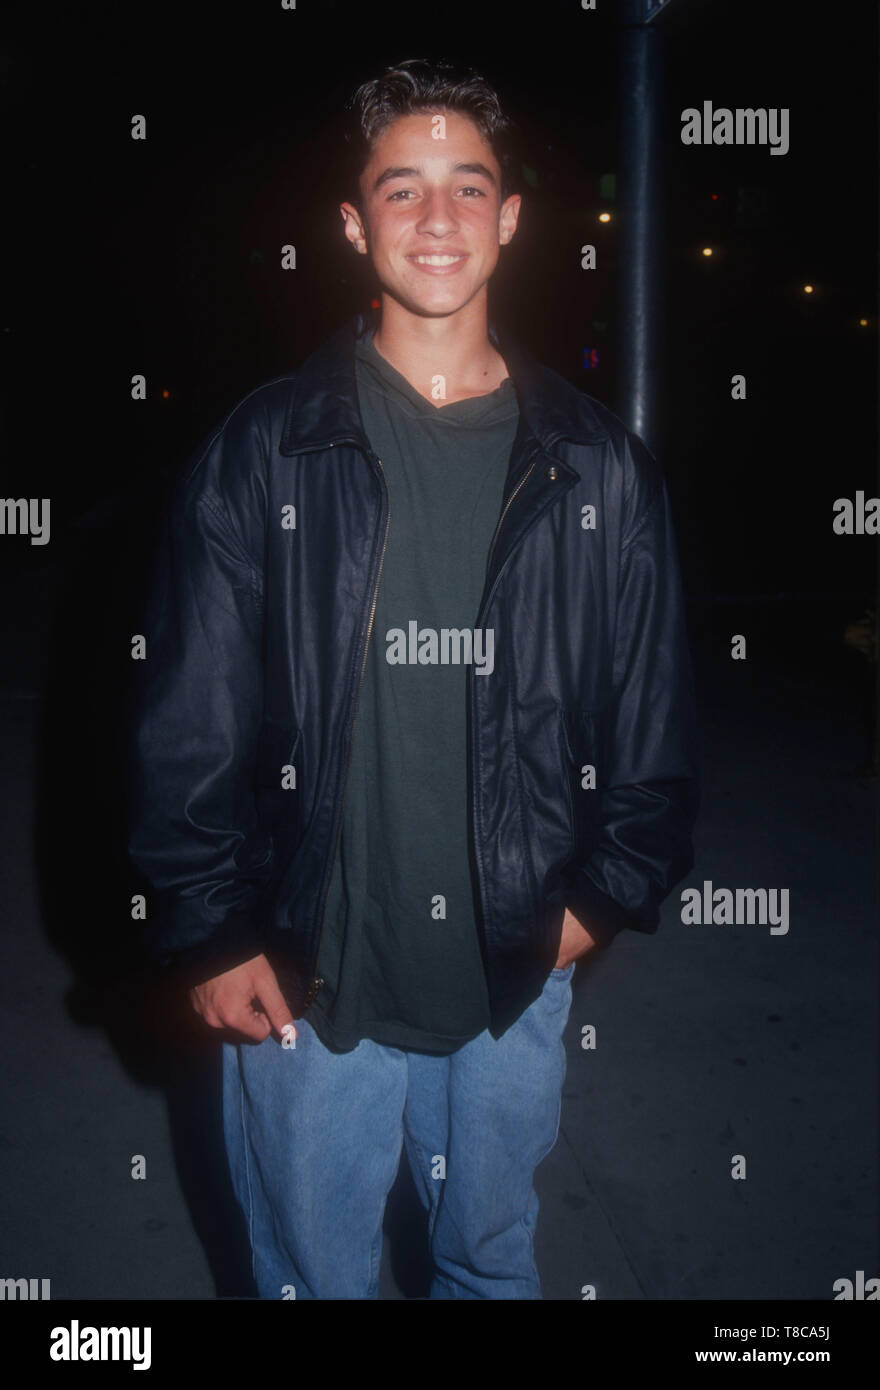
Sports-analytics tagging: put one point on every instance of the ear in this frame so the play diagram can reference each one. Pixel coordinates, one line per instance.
(508, 218)
(355, 230)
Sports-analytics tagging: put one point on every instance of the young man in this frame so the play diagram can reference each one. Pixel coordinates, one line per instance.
(415, 733)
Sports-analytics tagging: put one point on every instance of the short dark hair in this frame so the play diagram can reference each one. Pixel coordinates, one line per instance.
(420, 85)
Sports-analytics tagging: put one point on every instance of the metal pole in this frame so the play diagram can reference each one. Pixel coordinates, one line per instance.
(641, 250)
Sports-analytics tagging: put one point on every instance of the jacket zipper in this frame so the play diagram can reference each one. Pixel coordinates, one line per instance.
(523, 480)
(317, 982)
(477, 859)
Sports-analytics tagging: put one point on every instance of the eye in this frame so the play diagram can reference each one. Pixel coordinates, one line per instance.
(402, 193)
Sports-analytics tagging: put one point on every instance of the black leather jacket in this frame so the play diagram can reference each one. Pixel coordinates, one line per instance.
(256, 634)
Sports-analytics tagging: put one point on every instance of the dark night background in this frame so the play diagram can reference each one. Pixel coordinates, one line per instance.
(162, 257)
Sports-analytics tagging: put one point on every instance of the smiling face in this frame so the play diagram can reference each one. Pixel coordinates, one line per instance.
(433, 220)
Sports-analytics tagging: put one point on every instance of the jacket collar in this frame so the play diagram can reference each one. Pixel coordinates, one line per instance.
(323, 404)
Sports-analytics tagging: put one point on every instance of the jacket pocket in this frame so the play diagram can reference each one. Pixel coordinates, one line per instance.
(581, 733)
(279, 774)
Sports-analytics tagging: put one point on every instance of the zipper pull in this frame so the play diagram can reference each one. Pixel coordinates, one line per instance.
(313, 990)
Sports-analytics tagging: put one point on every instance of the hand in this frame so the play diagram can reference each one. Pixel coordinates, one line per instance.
(574, 942)
(226, 1001)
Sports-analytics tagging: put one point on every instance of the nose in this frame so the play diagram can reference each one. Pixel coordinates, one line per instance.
(438, 215)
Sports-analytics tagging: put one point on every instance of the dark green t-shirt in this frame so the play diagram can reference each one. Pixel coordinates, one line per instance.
(399, 953)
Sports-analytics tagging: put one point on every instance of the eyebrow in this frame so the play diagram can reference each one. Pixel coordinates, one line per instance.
(405, 171)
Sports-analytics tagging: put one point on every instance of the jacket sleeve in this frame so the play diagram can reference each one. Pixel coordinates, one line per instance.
(649, 794)
(195, 716)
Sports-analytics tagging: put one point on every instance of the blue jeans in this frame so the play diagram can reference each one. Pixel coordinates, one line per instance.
(314, 1140)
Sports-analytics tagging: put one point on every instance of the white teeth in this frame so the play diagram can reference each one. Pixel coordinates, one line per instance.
(437, 260)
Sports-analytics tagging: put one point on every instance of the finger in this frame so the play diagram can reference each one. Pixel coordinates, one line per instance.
(245, 1019)
(274, 1004)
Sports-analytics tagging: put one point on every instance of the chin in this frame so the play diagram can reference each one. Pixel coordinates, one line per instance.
(438, 311)
(425, 308)
(433, 306)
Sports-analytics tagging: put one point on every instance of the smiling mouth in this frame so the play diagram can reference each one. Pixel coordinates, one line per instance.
(440, 261)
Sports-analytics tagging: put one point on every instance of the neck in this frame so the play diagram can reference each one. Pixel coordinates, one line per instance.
(454, 347)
